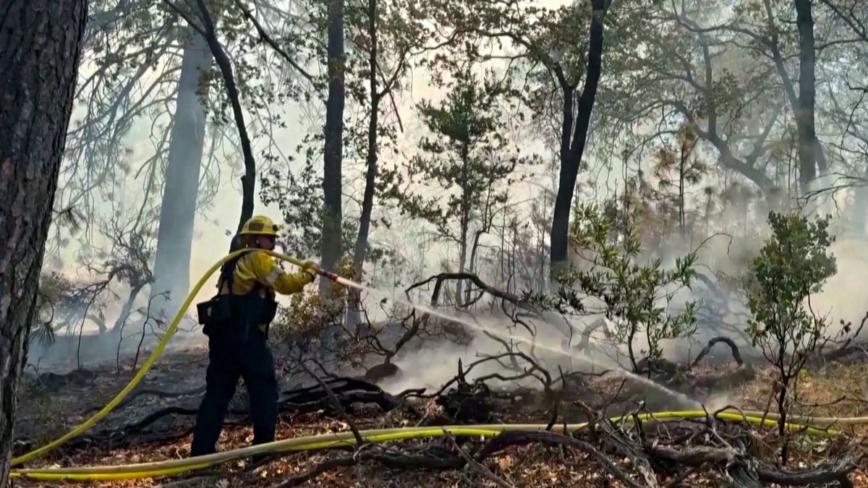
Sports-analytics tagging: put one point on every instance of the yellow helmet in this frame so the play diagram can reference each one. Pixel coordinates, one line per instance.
(259, 225)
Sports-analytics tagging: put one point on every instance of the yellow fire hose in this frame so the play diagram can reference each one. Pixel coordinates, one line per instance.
(87, 424)
(325, 441)
(148, 470)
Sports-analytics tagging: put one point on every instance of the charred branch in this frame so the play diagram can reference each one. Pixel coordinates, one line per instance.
(439, 279)
(736, 354)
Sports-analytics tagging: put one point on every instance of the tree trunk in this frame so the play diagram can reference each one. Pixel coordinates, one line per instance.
(178, 208)
(570, 160)
(462, 265)
(807, 95)
(40, 48)
(360, 252)
(121, 321)
(786, 81)
(248, 180)
(361, 249)
(465, 220)
(859, 209)
(332, 244)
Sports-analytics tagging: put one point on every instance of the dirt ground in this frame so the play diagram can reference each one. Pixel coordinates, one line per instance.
(836, 390)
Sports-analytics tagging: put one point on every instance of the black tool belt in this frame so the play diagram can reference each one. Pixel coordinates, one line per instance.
(226, 312)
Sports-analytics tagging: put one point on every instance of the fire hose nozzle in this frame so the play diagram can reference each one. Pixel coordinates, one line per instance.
(328, 274)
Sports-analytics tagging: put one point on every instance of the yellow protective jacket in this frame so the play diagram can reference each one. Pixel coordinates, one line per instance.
(257, 266)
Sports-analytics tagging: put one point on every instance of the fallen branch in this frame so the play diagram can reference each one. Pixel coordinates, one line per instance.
(156, 393)
(821, 475)
(336, 404)
(736, 353)
(746, 471)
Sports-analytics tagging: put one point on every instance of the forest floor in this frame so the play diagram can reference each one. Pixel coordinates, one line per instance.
(686, 453)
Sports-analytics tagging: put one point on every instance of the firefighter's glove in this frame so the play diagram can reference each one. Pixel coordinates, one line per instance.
(310, 268)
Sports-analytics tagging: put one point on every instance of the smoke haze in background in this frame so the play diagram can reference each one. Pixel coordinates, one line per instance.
(844, 296)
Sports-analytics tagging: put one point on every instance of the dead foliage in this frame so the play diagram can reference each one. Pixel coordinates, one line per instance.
(633, 453)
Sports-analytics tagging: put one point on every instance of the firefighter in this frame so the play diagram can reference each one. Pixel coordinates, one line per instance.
(236, 322)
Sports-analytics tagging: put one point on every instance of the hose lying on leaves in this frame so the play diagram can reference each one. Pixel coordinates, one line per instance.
(325, 441)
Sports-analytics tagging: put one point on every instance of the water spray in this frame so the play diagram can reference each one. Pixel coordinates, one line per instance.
(620, 371)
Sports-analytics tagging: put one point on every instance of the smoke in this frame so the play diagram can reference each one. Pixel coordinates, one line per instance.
(434, 364)
(845, 296)
(842, 298)
(78, 312)
(721, 314)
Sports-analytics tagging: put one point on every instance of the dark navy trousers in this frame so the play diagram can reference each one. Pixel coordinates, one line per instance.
(233, 354)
